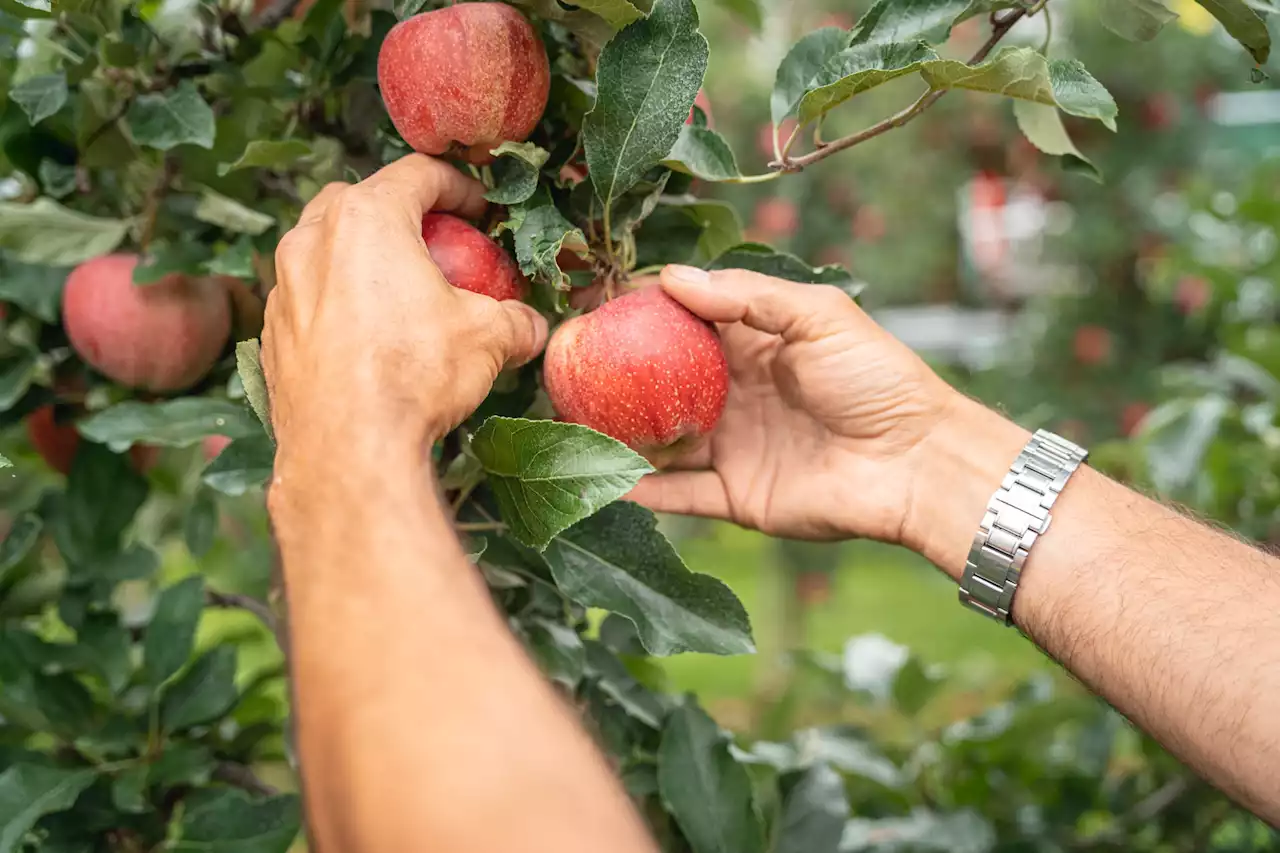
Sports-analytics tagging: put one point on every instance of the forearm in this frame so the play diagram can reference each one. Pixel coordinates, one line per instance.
(422, 725)
(1174, 623)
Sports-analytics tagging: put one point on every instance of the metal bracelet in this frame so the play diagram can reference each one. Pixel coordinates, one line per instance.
(1017, 515)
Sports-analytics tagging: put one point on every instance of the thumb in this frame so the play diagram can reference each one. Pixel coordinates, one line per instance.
(793, 310)
(520, 333)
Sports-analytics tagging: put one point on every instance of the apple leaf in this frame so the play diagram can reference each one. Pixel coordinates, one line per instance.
(856, 69)
(30, 791)
(249, 368)
(929, 21)
(1243, 24)
(45, 232)
(218, 209)
(618, 13)
(171, 634)
(542, 233)
(164, 120)
(747, 10)
(767, 260)
(701, 784)
(180, 422)
(800, 67)
(166, 259)
(1042, 125)
(40, 96)
(35, 288)
(619, 561)
(647, 78)
(243, 465)
(58, 179)
(516, 172)
(231, 820)
(1136, 20)
(268, 154)
(548, 475)
(721, 227)
(703, 153)
(16, 375)
(22, 537)
(814, 810)
(203, 693)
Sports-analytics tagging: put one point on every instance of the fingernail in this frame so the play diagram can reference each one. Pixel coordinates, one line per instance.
(687, 275)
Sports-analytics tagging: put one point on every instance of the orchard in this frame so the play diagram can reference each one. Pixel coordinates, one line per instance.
(155, 153)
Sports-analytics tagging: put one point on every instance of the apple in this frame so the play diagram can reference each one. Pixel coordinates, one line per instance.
(213, 445)
(868, 224)
(160, 337)
(1160, 111)
(1192, 294)
(642, 369)
(1091, 345)
(776, 217)
(464, 79)
(57, 443)
(1132, 416)
(469, 260)
(702, 103)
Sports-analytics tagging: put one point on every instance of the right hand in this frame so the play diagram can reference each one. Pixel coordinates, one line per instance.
(827, 417)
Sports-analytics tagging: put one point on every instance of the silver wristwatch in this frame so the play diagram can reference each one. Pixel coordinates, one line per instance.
(1017, 514)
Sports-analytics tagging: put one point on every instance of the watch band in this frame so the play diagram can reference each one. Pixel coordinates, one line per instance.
(1017, 515)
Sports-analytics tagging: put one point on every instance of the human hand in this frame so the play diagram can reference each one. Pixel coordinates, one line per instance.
(366, 344)
(827, 420)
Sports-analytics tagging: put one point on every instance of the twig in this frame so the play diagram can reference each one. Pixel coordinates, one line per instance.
(243, 777)
(275, 13)
(249, 604)
(1148, 808)
(1000, 25)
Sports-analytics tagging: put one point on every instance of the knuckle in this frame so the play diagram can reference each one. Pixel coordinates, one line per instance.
(353, 204)
(290, 246)
(829, 298)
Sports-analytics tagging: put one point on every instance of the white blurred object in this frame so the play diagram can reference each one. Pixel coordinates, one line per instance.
(872, 662)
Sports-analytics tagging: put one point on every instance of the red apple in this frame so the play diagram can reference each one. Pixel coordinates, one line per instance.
(213, 445)
(1160, 112)
(1192, 294)
(470, 260)
(464, 79)
(159, 337)
(57, 443)
(813, 588)
(702, 103)
(1132, 416)
(776, 217)
(868, 224)
(640, 368)
(1091, 345)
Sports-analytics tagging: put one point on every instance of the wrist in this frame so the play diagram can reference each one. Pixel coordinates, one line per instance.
(958, 467)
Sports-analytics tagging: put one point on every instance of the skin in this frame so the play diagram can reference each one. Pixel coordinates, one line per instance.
(420, 718)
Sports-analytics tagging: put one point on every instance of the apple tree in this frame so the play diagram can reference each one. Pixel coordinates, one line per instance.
(154, 153)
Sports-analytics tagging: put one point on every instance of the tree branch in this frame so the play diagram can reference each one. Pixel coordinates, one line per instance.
(236, 601)
(275, 13)
(1000, 25)
(243, 777)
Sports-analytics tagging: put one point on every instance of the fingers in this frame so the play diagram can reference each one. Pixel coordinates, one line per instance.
(518, 333)
(699, 493)
(795, 311)
(421, 183)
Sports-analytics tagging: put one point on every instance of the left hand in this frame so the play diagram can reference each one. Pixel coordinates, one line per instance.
(366, 344)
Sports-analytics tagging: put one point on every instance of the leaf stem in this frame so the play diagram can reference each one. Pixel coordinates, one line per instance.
(1000, 25)
(608, 232)
(480, 526)
(242, 776)
(1048, 28)
(754, 179)
(249, 604)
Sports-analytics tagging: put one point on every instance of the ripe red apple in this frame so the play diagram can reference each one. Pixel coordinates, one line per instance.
(57, 443)
(464, 79)
(702, 103)
(1160, 112)
(640, 368)
(159, 337)
(1192, 294)
(1091, 345)
(213, 445)
(470, 260)
(776, 217)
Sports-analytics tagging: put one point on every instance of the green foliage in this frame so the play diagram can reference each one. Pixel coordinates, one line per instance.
(130, 719)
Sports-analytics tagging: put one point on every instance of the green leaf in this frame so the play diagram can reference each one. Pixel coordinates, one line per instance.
(104, 646)
(45, 232)
(27, 9)
(618, 13)
(244, 465)
(800, 67)
(34, 288)
(1042, 125)
(617, 683)
(103, 495)
(766, 260)
(408, 8)
(586, 25)
(217, 209)
(548, 475)
(913, 687)
(516, 172)
(618, 560)
(854, 70)
(277, 154)
(24, 533)
(747, 10)
(201, 523)
(542, 234)
(689, 230)
(1243, 24)
(233, 822)
(16, 376)
(814, 811)
(204, 693)
(646, 79)
(558, 650)
(171, 634)
(235, 259)
(28, 792)
(182, 763)
(249, 367)
(184, 257)
(703, 153)
(922, 831)
(929, 21)
(1176, 437)
(129, 789)
(704, 788)
(40, 96)
(58, 180)
(180, 422)
(165, 120)
(1136, 20)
